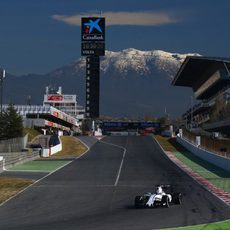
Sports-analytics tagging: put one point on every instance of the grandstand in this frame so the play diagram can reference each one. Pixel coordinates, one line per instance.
(209, 78)
(46, 117)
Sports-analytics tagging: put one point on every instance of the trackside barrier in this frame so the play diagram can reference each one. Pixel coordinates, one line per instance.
(209, 143)
(13, 158)
(1, 164)
(219, 161)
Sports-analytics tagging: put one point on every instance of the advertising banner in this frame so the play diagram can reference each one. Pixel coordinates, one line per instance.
(93, 36)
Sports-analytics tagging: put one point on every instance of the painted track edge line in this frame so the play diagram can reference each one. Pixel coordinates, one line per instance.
(122, 161)
(37, 181)
(119, 171)
(88, 148)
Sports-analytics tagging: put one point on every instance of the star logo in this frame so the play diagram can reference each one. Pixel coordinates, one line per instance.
(92, 25)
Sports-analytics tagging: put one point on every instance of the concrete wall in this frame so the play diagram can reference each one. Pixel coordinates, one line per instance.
(220, 161)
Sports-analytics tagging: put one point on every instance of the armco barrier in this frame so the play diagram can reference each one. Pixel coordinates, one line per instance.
(10, 159)
(220, 161)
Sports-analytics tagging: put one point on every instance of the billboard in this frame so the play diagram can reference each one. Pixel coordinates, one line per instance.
(54, 98)
(65, 98)
(92, 36)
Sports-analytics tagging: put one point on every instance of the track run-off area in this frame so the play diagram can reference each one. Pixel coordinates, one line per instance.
(97, 191)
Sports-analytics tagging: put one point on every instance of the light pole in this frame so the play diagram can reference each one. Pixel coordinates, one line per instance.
(2, 76)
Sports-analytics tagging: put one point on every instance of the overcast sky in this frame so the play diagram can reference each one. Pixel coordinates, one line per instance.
(38, 36)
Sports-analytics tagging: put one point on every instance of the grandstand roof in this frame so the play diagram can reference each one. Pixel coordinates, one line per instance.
(196, 71)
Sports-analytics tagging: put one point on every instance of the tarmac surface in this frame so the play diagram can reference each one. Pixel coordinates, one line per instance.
(97, 191)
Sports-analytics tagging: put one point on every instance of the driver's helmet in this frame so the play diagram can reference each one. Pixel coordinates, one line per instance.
(159, 190)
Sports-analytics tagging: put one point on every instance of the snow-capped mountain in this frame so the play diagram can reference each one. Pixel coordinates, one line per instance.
(133, 60)
(133, 83)
(142, 62)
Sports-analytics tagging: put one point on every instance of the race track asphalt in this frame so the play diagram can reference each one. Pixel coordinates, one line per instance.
(97, 192)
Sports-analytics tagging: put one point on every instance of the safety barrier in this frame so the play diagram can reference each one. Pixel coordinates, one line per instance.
(215, 145)
(220, 161)
(10, 159)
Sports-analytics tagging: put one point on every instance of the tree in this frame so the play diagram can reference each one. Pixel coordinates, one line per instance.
(150, 118)
(162, 120)
(12, 124)
(3, 126)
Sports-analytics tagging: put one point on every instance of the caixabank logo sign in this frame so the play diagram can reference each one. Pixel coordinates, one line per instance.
(93, 29)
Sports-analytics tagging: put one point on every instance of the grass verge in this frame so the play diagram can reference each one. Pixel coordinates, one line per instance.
(10, 186)
(39, 166)
(223, 225)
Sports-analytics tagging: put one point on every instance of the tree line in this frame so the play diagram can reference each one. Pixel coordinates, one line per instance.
(11, 124)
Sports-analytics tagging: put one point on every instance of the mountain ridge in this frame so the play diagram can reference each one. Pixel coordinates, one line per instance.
(135, 58)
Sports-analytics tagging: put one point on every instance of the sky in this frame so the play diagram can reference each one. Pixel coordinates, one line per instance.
(38, 36)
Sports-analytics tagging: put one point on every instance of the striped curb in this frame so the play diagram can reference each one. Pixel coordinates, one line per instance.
(220, 193)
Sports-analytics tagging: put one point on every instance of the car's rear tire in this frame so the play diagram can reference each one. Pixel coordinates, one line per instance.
(137, 202)
(165, 201)
(177, 198)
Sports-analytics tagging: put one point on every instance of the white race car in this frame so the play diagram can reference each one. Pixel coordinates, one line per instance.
(158, 198)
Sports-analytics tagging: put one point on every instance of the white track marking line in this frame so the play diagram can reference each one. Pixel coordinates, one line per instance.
(88, 148)
(46, 175)
(122, 160)
(119, 171)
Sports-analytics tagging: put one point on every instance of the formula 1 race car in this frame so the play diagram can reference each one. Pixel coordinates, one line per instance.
(158, 198)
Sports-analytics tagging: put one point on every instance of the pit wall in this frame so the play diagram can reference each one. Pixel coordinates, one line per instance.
(219, 161)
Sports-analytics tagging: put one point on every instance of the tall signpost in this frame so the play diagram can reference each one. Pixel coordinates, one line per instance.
(92, 46)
